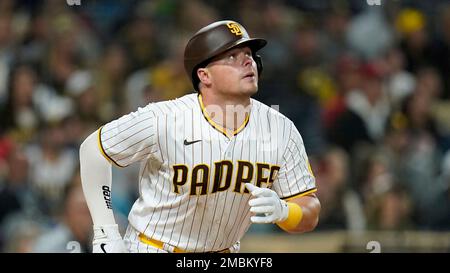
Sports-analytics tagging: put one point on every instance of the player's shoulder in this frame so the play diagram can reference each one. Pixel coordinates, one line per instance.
(174, 106)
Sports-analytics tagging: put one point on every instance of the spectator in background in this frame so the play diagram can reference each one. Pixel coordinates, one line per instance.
(396, 142)
(16, 193)
(399, 82)
(31, 102)
(19, 116)
(13, 184)
(366, 113)
(441, 49)
(335, 42)
(430, 87)
(196, 13)
(389, 208)
(415, 41)
(162, 81)
(20, 231)
(139, 38)
(274, 21)
(6, 52)
(6, 145)
(15, 187)
(80, 87)
(306, 46)
(410, 146)
(387, 203)
(420, 162)
(73, 226)
(63, 56)
(439, 207)
(52, 165)
(110, 75)
(36, 41)
(363, 29)
(429, 83)
(342, 207)
(347, 78)
(75, 130)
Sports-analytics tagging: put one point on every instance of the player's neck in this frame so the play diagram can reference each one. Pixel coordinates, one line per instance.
(225, 100)
(231, 113)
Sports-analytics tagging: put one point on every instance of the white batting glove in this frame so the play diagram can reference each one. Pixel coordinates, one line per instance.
(107, 239)
(268, 203)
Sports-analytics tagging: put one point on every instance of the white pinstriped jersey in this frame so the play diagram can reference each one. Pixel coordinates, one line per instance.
(192, 176)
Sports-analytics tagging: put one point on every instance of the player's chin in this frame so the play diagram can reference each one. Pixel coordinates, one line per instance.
(250, 88)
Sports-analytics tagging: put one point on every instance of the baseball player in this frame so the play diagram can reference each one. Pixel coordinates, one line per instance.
(212, 162)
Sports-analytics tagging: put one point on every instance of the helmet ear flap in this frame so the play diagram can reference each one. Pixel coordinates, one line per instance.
(259, 64)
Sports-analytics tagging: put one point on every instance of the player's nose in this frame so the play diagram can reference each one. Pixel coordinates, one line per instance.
(247, 59)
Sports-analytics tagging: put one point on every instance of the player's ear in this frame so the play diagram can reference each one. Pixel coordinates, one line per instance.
(204, 76)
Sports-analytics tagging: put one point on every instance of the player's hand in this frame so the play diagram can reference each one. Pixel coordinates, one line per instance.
(267, 205)
(107, 239)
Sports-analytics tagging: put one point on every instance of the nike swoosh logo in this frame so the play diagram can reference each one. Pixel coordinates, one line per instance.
(102, 246)
(190, 142)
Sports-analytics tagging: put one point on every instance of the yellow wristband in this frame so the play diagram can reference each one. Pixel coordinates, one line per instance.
(294, 217)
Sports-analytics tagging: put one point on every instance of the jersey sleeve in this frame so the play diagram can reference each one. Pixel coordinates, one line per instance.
(295, 177)
(130, 138)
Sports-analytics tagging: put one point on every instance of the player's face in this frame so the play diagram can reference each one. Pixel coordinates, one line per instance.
(234, 72)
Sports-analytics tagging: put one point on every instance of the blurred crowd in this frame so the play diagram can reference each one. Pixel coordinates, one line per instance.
(368, 87)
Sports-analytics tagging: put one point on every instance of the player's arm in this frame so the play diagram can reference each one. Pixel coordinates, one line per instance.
(291, 203)
(121, 142)
(96, 180)
(303, 214)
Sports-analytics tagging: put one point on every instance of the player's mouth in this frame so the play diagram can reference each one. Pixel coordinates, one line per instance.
(249, 75)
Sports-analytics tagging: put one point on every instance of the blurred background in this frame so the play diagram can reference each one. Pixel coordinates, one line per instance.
(368, 87)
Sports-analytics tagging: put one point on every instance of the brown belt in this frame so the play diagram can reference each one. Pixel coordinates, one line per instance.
(160, 245)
